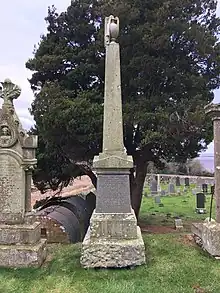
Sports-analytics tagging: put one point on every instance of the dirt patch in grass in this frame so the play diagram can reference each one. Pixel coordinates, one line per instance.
(187, 239)
(156, 229)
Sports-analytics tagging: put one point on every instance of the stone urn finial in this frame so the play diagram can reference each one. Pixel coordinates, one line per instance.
(111, 29)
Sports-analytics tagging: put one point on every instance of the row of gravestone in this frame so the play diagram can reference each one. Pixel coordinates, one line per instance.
(200, 202)
(155, 188)
(178, 181)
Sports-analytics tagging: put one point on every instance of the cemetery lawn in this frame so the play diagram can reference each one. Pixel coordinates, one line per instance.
(174, 264)
(182, 206)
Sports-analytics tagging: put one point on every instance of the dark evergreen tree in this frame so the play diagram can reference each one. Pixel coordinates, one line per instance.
(170, 63)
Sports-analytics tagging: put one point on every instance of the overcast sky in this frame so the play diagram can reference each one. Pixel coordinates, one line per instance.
(21, 24)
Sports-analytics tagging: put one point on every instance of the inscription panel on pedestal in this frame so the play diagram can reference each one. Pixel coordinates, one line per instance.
(113, 194)
(12, 196)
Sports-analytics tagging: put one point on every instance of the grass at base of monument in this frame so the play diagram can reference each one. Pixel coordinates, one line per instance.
(173, 265)
(182, 206)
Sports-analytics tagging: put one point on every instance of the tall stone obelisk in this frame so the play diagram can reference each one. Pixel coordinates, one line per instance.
(210, 231)
(113, 238)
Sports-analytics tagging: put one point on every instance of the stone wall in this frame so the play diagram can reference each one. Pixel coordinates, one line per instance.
(167, 177)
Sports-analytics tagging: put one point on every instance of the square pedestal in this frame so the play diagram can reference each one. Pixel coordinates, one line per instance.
(211, 238)
(116, 253)
(113, 240)
(18, 256)
(20, 234)
(111, 225)
(21, 245)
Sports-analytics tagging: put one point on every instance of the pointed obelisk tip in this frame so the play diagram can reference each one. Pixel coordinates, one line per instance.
(111, 29)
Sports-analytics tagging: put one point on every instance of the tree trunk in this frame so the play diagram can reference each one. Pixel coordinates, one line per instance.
(137, 184)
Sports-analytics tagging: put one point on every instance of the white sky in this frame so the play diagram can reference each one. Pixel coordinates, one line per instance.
(21, 24)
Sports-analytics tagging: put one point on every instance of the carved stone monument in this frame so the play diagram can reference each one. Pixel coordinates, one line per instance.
(113, 238)
(209, 231)
(20, 242)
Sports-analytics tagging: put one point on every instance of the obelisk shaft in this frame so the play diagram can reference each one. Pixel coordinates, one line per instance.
(214, 111)
(216, 127)
(112, 128)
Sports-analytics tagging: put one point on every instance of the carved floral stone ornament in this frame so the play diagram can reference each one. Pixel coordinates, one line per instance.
(9, 91)
(8, 134)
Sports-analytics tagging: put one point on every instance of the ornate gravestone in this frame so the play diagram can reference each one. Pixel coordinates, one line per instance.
(20, 243)
(113, 238)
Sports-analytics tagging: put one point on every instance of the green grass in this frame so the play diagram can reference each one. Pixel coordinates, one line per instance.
(182, 206)
(172, 266)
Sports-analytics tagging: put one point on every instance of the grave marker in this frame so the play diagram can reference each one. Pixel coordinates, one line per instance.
(205, 188)
(113, 238)
(157, 199)
(200, 203)
(187, 182)
(153, 187)
(171, 189)
(178, 181)
(20, 237)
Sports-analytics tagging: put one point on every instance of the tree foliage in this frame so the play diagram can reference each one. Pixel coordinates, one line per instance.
(170, 65)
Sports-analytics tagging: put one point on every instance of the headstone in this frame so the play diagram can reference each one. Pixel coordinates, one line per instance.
(157, 199)
(153, 187)
(20, 237)
(113, 238)
(178, 224)
(200, 203)
(205, 188)
(212, 189)
(178, 191)
(194, 191)
(158, 183)
(178, 181)
(199, 183)
(163, 193)
(171, 188)
(187, 182)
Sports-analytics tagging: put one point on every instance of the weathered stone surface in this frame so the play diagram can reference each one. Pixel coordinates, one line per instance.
(213, 110)
(179, 224)
(113, 192)
(12, 184)
(113, 238)
(114, 160)
(117, 226)
(20, 234)
(107, 253)
(196, 229)
(20, 244)
(23, 255)
(211, 238)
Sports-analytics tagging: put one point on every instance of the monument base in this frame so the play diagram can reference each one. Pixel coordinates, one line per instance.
(211, 238)
(20, 256)
(21, 245)
(112, 253)
(209, 232)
